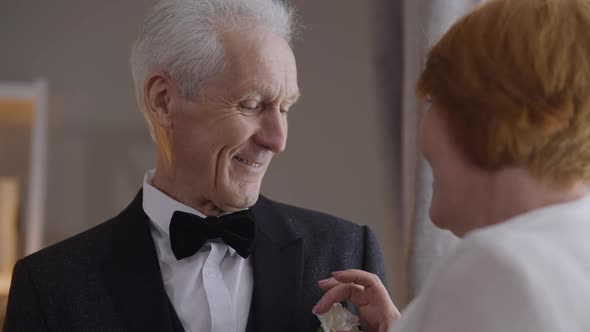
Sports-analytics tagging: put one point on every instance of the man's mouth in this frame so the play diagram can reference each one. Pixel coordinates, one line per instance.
(248, 162)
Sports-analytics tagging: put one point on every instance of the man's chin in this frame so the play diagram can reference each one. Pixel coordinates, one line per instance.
(237, 201)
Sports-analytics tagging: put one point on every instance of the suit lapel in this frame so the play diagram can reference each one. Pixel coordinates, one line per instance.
(278, 270)
(133, 275)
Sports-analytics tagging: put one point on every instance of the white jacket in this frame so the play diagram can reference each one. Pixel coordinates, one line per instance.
(528, 274)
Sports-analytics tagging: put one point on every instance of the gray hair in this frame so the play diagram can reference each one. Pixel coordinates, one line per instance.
(182, 37)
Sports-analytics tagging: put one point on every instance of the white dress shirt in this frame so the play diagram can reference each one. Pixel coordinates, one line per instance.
(531, 273)
(211, 290)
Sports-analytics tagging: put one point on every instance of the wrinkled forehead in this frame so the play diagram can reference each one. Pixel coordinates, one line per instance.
(261, 62)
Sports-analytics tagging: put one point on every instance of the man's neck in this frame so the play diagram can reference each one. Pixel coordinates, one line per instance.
(171, 187)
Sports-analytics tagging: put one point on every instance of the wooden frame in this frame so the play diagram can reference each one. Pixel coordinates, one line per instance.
(27, 104)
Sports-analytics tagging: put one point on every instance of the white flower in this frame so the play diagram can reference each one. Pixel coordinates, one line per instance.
(339, 319)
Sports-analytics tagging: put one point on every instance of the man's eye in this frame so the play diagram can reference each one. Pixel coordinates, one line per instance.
(250, 107)
(285, 108)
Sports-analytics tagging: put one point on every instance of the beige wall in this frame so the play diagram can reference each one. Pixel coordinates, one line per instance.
(99, 147)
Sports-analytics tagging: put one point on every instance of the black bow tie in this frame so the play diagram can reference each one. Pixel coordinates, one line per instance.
(189, 232)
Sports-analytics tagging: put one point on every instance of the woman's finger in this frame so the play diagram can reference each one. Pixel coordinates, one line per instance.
(339, 293)
(328, 284)
(358, 277)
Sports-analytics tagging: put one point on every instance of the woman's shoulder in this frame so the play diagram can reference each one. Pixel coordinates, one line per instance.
(548, 237)
(502, 280)
(526, 247)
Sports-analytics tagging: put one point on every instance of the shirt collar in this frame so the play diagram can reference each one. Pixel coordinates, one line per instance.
(160, 207)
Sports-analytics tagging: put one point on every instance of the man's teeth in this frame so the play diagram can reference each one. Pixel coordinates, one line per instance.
(248, 162)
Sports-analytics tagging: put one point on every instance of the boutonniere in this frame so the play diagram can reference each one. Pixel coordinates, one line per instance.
(338, 319)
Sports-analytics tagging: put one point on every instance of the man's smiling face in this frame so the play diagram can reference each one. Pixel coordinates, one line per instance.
(223, 141)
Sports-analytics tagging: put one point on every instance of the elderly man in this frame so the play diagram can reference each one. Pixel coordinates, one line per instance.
(199, 249)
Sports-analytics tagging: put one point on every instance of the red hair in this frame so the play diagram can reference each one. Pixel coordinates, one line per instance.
(513, 79)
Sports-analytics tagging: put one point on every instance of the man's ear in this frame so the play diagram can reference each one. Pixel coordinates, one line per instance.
(158, 98)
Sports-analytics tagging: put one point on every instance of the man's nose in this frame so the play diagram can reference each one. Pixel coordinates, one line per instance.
(272, 133)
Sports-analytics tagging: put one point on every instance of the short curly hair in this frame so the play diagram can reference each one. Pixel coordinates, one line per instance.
(513, 80)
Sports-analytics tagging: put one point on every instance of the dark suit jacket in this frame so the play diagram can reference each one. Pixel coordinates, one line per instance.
(108, 278)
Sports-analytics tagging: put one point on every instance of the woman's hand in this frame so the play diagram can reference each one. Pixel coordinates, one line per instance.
(366, 291)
